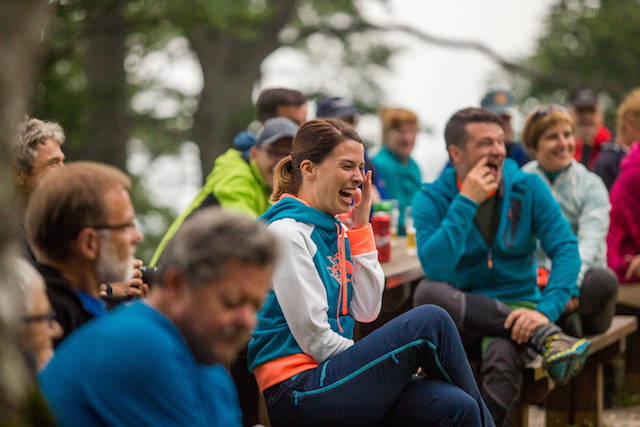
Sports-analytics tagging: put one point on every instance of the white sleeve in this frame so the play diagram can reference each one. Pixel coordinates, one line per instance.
(367, 277)
(301, 293)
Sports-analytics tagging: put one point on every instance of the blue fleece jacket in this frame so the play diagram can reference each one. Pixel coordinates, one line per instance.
(451, 248)
(133, 367)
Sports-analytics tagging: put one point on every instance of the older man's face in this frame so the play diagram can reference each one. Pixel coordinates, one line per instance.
(118, 239)
(218, 317)
(48, 157)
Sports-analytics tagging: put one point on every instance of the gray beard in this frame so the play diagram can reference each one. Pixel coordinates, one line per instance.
(109, 269)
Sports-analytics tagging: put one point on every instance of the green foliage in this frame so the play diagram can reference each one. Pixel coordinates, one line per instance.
(330, 32)
(587, 42)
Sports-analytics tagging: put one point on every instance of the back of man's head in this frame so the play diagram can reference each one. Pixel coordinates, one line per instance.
(210, 240)
(65, 202)
(31, 134)
(455, 132)
(270, 99)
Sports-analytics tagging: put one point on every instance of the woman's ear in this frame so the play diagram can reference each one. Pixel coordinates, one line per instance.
(308, 169)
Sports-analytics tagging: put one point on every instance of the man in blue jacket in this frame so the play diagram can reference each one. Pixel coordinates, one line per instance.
(159, 362)
(476, 230)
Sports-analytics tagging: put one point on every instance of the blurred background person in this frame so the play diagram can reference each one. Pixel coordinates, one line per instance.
(279, 102)
(591, 132)
(623, 240)
(401, 174)
(607, 165)
(37, 150)
(501, 103)
(41, 326)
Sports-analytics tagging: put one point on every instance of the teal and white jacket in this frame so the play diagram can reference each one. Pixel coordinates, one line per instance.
(451, 248)
(584, 201)
(326, 277)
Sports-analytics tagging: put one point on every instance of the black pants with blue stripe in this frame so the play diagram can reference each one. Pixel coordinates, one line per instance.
(373, 382)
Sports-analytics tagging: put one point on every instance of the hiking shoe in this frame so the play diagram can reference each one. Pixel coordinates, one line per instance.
(564, 356)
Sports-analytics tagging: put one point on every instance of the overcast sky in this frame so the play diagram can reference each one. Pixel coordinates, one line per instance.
(434, 81)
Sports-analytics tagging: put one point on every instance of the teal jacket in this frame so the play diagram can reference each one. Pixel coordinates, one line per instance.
(451, 248)
(234, 183)
(326, 279)
(401, 181)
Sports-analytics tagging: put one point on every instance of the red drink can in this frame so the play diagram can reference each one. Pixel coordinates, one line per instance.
(381, 223)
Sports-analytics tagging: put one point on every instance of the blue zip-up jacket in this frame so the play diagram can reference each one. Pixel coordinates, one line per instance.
(451, 248)
(325, 278)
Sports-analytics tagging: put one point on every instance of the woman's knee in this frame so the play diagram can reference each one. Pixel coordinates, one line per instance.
(463, 411)
(600, 283)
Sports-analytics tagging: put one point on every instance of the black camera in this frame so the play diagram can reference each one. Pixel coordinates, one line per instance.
(149, 274)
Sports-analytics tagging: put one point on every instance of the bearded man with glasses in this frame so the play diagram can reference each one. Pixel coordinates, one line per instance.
(80, 224)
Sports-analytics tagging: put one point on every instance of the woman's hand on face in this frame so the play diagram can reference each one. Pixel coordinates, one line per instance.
(362, 203)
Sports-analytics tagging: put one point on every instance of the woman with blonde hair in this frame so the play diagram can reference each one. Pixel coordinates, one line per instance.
(549, 134)
(302, 353)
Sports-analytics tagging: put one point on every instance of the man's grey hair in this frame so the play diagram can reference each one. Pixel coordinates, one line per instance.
(31, 133)
(210, 239)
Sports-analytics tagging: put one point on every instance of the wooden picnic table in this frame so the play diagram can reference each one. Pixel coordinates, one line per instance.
(404, 266)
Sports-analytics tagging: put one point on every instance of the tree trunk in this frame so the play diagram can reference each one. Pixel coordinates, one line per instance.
(107, 127)
(231, 67)
(23, 27)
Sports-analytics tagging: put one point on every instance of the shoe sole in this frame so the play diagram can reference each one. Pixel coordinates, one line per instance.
(568, 363)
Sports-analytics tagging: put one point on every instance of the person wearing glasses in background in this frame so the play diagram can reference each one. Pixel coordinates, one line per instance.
(549, 134)
(80, 224)
(41, 326)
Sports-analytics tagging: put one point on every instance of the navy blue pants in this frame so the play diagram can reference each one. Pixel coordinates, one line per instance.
(373, 382)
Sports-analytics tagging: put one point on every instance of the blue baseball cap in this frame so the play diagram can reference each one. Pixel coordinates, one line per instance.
(499, 102)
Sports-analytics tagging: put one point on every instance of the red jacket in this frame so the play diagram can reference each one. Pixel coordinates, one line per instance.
(624, 233)
(602, 135)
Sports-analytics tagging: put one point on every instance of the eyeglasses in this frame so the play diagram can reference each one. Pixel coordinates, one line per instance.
(49, 317)
(544, 111)
(131, 224)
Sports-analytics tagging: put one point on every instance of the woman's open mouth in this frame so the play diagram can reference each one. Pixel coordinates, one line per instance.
(347, 195)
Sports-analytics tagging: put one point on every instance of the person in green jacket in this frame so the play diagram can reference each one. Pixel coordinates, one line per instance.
(241, 182)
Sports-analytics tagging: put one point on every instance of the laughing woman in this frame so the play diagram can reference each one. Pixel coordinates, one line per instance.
(549, 134)
(302, 353)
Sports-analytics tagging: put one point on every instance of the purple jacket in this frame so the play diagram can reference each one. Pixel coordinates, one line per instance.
(624, 233)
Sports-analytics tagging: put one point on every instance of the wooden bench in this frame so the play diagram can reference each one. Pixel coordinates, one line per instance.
(581, 401)
(629, 304)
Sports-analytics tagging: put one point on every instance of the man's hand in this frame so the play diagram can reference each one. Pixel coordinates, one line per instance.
(134, 288)
(479, 182)
(524, 321)
(572, 305)
(633, 269)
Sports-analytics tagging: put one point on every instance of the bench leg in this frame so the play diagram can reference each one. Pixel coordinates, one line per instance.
(559, 407)
(587, 393)
(522, 416)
